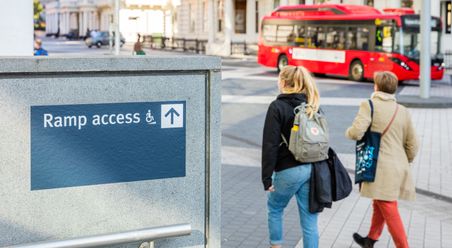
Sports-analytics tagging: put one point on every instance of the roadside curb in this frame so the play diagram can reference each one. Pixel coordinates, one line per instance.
(410, 101)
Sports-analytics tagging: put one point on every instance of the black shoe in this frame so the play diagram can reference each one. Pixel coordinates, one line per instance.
(364, 242)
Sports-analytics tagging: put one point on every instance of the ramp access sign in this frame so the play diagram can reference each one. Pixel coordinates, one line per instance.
(88, 144)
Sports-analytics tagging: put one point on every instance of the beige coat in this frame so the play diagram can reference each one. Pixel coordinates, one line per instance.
(398, 147)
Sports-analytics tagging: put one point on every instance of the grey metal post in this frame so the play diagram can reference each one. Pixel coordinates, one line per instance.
(117, 34)
(425, 62)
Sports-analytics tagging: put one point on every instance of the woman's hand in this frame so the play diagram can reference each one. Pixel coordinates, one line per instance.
(271, 189)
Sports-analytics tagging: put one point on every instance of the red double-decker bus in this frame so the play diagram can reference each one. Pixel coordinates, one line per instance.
(347, 40)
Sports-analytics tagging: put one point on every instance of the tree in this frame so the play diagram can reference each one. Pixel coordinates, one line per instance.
(38, 9)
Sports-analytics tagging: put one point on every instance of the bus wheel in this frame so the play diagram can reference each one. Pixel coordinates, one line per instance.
(282, 61)
(356, 71)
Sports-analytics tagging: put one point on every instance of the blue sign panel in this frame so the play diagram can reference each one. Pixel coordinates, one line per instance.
(75, 145)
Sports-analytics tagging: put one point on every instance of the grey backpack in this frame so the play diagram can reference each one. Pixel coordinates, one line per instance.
(309, 139)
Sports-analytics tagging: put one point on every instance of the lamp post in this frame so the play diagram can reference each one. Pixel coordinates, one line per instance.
(425, 62)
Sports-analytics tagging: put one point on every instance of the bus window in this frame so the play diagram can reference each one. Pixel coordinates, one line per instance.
(285, 34)
(311, 37)
(363, 39)
(269, 32)
(315, 37)
(300, 34)
(335, 38)
(384, 38)
(350, 41)
(321, 37)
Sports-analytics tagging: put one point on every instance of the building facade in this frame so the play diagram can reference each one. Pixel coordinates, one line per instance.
(65, 17)
(224, 21)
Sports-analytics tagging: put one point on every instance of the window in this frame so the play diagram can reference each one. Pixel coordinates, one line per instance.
(269, 32)
(311, 37)
(335, 38)
(448, 17)
(407, 3)
(220, 15)
(257, 16)
(285, 34)
(300, 33)
(384, 38)
(276, 4)
(369, 2)
(363, 39)
(315, 37)
(321, 37)
(350, 42)
(240, 16)
(205, 23)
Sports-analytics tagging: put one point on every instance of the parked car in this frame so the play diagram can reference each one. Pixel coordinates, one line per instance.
(102, 38)
(72, 35)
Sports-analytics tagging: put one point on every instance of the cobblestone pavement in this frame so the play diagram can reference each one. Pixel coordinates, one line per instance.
(428, 221)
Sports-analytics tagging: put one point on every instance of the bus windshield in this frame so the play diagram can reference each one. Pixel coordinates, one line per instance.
(409, 43)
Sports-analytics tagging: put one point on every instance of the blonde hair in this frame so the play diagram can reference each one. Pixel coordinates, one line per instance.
(297, 79)
(386, 81)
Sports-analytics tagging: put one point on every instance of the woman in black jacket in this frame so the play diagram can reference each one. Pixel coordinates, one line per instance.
(283, 176)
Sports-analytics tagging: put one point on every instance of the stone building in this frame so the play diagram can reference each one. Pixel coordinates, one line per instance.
(136, 16)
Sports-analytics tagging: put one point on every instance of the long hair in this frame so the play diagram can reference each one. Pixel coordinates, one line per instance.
(297, 79)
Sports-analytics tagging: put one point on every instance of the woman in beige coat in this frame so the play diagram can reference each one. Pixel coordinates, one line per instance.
(398, 147)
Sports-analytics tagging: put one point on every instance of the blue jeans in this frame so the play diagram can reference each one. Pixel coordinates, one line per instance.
(287, 183)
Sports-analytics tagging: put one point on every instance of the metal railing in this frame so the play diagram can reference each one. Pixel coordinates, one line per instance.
(243, 48)
(148, 234)
(179, 44)
(194, 45)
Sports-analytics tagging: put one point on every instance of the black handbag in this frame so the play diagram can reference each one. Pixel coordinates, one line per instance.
(367, 150)
(340, 180)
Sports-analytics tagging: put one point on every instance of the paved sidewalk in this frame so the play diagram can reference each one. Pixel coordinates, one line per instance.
(428, 221)
(437, 90)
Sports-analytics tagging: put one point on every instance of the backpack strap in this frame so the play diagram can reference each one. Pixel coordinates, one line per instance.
(371, 110)
(371, 114)
(284, 142)
(392, 120)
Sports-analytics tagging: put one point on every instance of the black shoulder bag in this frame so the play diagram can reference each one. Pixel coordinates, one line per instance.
(367, 151)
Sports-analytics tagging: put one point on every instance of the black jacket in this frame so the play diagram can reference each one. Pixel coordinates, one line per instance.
(329, 182)
(279, 120)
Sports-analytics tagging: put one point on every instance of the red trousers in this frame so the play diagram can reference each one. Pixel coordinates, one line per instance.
(388, 212)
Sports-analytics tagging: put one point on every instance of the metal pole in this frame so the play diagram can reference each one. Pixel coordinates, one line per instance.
(117, 34)
(425, 50)
(116, 238)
